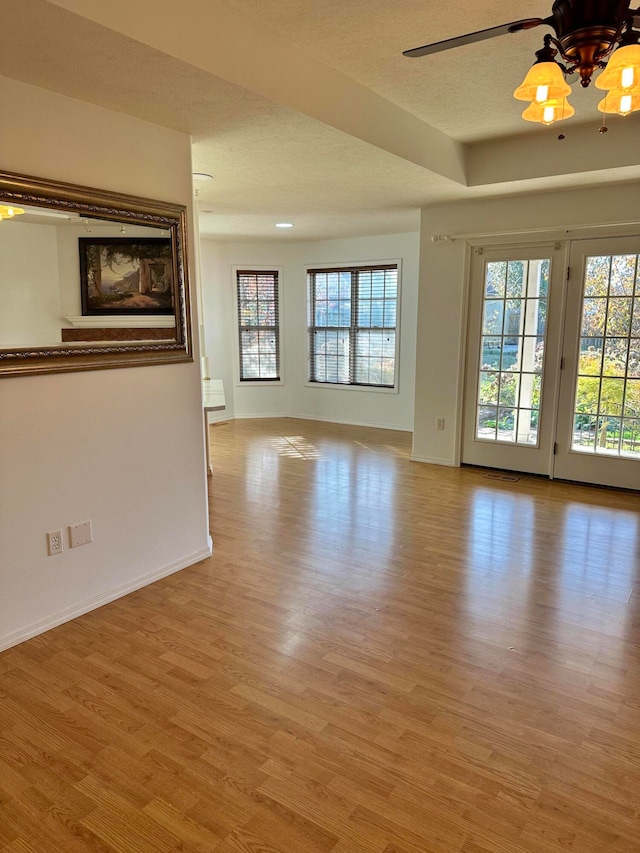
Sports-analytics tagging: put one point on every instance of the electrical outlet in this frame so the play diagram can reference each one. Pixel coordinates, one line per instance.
(80, 534)
(54, 543)
(439, 423)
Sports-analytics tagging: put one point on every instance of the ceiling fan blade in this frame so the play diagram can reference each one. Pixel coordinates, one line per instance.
(480, 35)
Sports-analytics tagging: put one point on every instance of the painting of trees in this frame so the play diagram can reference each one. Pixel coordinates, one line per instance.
(126, 275)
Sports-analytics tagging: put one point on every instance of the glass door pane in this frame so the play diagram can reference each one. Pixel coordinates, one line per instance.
(607, 402)
(599, 435)
(512, 350)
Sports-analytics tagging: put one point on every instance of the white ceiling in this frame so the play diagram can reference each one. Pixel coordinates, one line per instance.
(306, 110)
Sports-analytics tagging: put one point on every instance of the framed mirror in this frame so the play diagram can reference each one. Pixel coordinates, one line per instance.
(89, 279)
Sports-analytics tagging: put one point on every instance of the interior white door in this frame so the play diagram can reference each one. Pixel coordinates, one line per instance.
(512, 358)
(598, 431)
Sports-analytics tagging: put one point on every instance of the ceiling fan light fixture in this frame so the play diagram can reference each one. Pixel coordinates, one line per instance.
(619, 102)
(589, 36)
(9, 211)
(549, 112)
(544, 82)
(623, 69)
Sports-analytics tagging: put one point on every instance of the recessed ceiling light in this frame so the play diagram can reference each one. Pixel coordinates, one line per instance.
(202, 176)
(284, 224)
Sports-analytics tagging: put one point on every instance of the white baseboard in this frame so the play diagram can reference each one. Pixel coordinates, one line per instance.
(261, 415)
(82, 607)
(433, 460)
(394, 427)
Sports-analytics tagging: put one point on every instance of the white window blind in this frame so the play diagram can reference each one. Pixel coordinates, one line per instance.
(258, 325)
(352, 325)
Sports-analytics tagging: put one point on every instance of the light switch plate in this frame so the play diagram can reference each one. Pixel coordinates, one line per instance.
(80, 534)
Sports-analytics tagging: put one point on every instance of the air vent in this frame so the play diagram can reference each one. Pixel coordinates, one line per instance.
(506, 478)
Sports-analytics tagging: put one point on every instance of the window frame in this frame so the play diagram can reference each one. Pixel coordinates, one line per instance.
(353, 267)
(255, 382)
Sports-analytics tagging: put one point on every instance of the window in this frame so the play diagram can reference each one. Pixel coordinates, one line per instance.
(514, 325)
(352, 325)
(258, 325)
(607, 401)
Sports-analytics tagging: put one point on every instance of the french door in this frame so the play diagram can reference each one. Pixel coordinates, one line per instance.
(551, 395)
(598, 431)
(512, 357)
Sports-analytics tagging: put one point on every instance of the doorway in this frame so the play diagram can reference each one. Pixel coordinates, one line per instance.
(552, 383)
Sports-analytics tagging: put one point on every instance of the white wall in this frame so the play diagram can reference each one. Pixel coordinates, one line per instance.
(295, 398)
(217, 318)
(30, 314)
(121, 447)
(443, 285)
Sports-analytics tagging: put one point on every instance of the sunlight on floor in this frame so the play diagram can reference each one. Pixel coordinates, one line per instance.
(296, 446)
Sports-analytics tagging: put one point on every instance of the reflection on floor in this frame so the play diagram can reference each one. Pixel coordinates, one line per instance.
(380, 657)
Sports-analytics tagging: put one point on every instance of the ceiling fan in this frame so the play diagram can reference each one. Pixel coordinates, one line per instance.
(586, 32)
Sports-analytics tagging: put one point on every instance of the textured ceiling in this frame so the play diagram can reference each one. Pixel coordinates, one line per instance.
(456, 91)
(307, 110)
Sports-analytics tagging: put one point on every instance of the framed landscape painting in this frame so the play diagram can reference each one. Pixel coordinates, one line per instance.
(120, 275)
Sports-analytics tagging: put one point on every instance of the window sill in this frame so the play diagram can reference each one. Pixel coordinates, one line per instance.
(259, 383)
(338, 386)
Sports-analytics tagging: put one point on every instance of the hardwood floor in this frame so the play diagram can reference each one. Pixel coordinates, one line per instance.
(380, 657)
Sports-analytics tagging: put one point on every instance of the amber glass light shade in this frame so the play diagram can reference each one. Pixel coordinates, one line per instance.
(9, 211)
(544, 82)
(622, 71)
(621, 102)
(549, 112)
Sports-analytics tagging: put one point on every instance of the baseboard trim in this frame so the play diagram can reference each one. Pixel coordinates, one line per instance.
(393, 427)
(89, 604)
(256, 416)
(433, 460)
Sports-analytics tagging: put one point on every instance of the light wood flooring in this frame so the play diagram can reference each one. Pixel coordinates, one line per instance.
(380, 657)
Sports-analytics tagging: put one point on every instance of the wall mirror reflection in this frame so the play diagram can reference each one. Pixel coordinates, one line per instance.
(89, 279)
